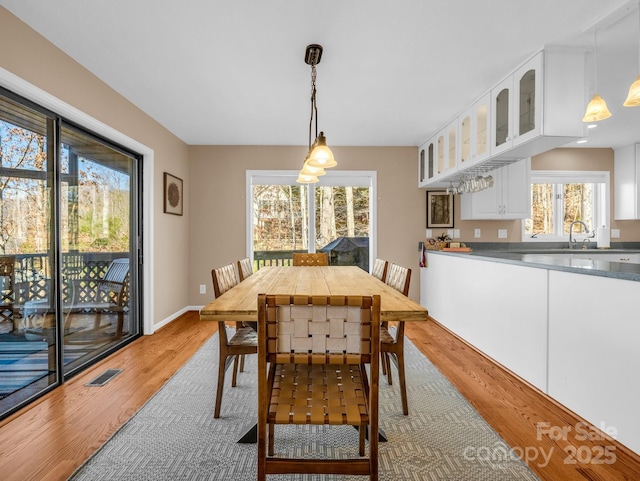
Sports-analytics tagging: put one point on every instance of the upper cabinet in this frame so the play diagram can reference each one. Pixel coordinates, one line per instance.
(438, 156)
(508, 198)
(627, 182)
(517, 110)
(536, 108)
(473, 133)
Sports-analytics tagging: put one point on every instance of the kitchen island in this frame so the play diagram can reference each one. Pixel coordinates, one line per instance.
(568, 326)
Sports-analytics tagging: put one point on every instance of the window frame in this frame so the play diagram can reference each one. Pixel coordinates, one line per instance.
(333, 178)
(557, 177)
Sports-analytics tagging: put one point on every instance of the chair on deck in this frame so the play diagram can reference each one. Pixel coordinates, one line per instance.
(392, 347)
(380, 269)
(7, 293)
(310, 259)
(245, 268)
(312, 354)
(106, 294)
(243, 341)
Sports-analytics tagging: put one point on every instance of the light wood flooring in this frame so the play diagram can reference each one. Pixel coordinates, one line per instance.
(50, 439)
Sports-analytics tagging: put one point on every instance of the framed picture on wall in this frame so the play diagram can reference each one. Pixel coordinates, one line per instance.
(439, 209)
(173, 194)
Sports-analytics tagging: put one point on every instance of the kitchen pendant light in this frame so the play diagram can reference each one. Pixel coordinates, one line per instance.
(633, 98)
(308, 169)
(319, 156)
(597, 107)
(306, 179)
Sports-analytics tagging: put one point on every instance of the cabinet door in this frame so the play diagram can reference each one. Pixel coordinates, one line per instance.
(484, 204)
(482, 117)
(626, 166)
(516, 190)
(473, 133)
(527, 106)
(509, 198)
(441, 152)
(502, 113)
(422, 165)
(452, 146)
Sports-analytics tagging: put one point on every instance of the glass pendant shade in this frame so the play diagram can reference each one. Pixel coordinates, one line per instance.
(596, 110)
(310, 170)
(306, 179)
(321, 155)
(633, 99)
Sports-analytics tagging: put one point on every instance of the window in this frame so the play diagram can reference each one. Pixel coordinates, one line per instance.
(337, 213)
(559, 198)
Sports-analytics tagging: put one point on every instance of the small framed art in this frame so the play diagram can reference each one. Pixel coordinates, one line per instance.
(439, 209)
(173, 194)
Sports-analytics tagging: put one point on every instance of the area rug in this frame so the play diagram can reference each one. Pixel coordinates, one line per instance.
(175, 436)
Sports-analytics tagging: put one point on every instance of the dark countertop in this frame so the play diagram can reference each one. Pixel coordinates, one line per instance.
(561, 260)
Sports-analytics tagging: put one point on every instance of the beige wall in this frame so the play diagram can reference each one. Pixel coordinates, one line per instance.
(32, 58)
(217, 199)
(558, 159)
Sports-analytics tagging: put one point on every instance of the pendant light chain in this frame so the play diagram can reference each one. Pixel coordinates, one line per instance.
(314, 108)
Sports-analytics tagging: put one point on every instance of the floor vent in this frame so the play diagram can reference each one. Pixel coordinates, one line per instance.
(105, 377)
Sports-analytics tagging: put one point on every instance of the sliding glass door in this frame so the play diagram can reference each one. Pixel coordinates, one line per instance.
(336, 215)
(68, 251)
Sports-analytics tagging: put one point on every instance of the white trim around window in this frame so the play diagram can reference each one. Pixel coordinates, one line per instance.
(353, 178)
(602, 196)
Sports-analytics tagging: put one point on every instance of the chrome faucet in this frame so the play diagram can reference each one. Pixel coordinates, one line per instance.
(586, 229)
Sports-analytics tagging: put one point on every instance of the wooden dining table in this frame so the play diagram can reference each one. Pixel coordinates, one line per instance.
(241, 302)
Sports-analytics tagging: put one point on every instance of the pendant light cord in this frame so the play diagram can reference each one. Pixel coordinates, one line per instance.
(314, 108)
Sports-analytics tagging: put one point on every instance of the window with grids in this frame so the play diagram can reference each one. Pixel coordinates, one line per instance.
(559, 198)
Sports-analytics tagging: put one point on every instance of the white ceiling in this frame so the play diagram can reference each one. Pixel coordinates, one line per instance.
(392, 72)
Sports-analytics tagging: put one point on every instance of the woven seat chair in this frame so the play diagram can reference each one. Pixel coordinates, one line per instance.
(243, 341)
(310, 259)
(380, 269)
(392, 346)
(245, 268)
(312, 352)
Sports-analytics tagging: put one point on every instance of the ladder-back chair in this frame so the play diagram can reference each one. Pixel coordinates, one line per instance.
(312, 352)
(243, 341)
(310, 259)
(392, 346)
(106, 294)
(7, 293)
(380, 269)
(245, 268)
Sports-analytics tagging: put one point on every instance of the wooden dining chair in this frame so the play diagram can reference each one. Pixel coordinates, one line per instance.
(380, 269)
(312, 353)
(232, 348)
(245, 268)
(310, 259)
(392, 346)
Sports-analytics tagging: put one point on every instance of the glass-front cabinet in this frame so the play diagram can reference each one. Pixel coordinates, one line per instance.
(473, 131)
(536, 108)
(426, 162)
(517, 107)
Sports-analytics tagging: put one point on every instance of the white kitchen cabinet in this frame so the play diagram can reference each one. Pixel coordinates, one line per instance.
(446, 150)
(536, 108)
(626, 182)
(539, 106)
(509, 198)
(473, 133)
(517, 107)
(543, 325)
(426, 162)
